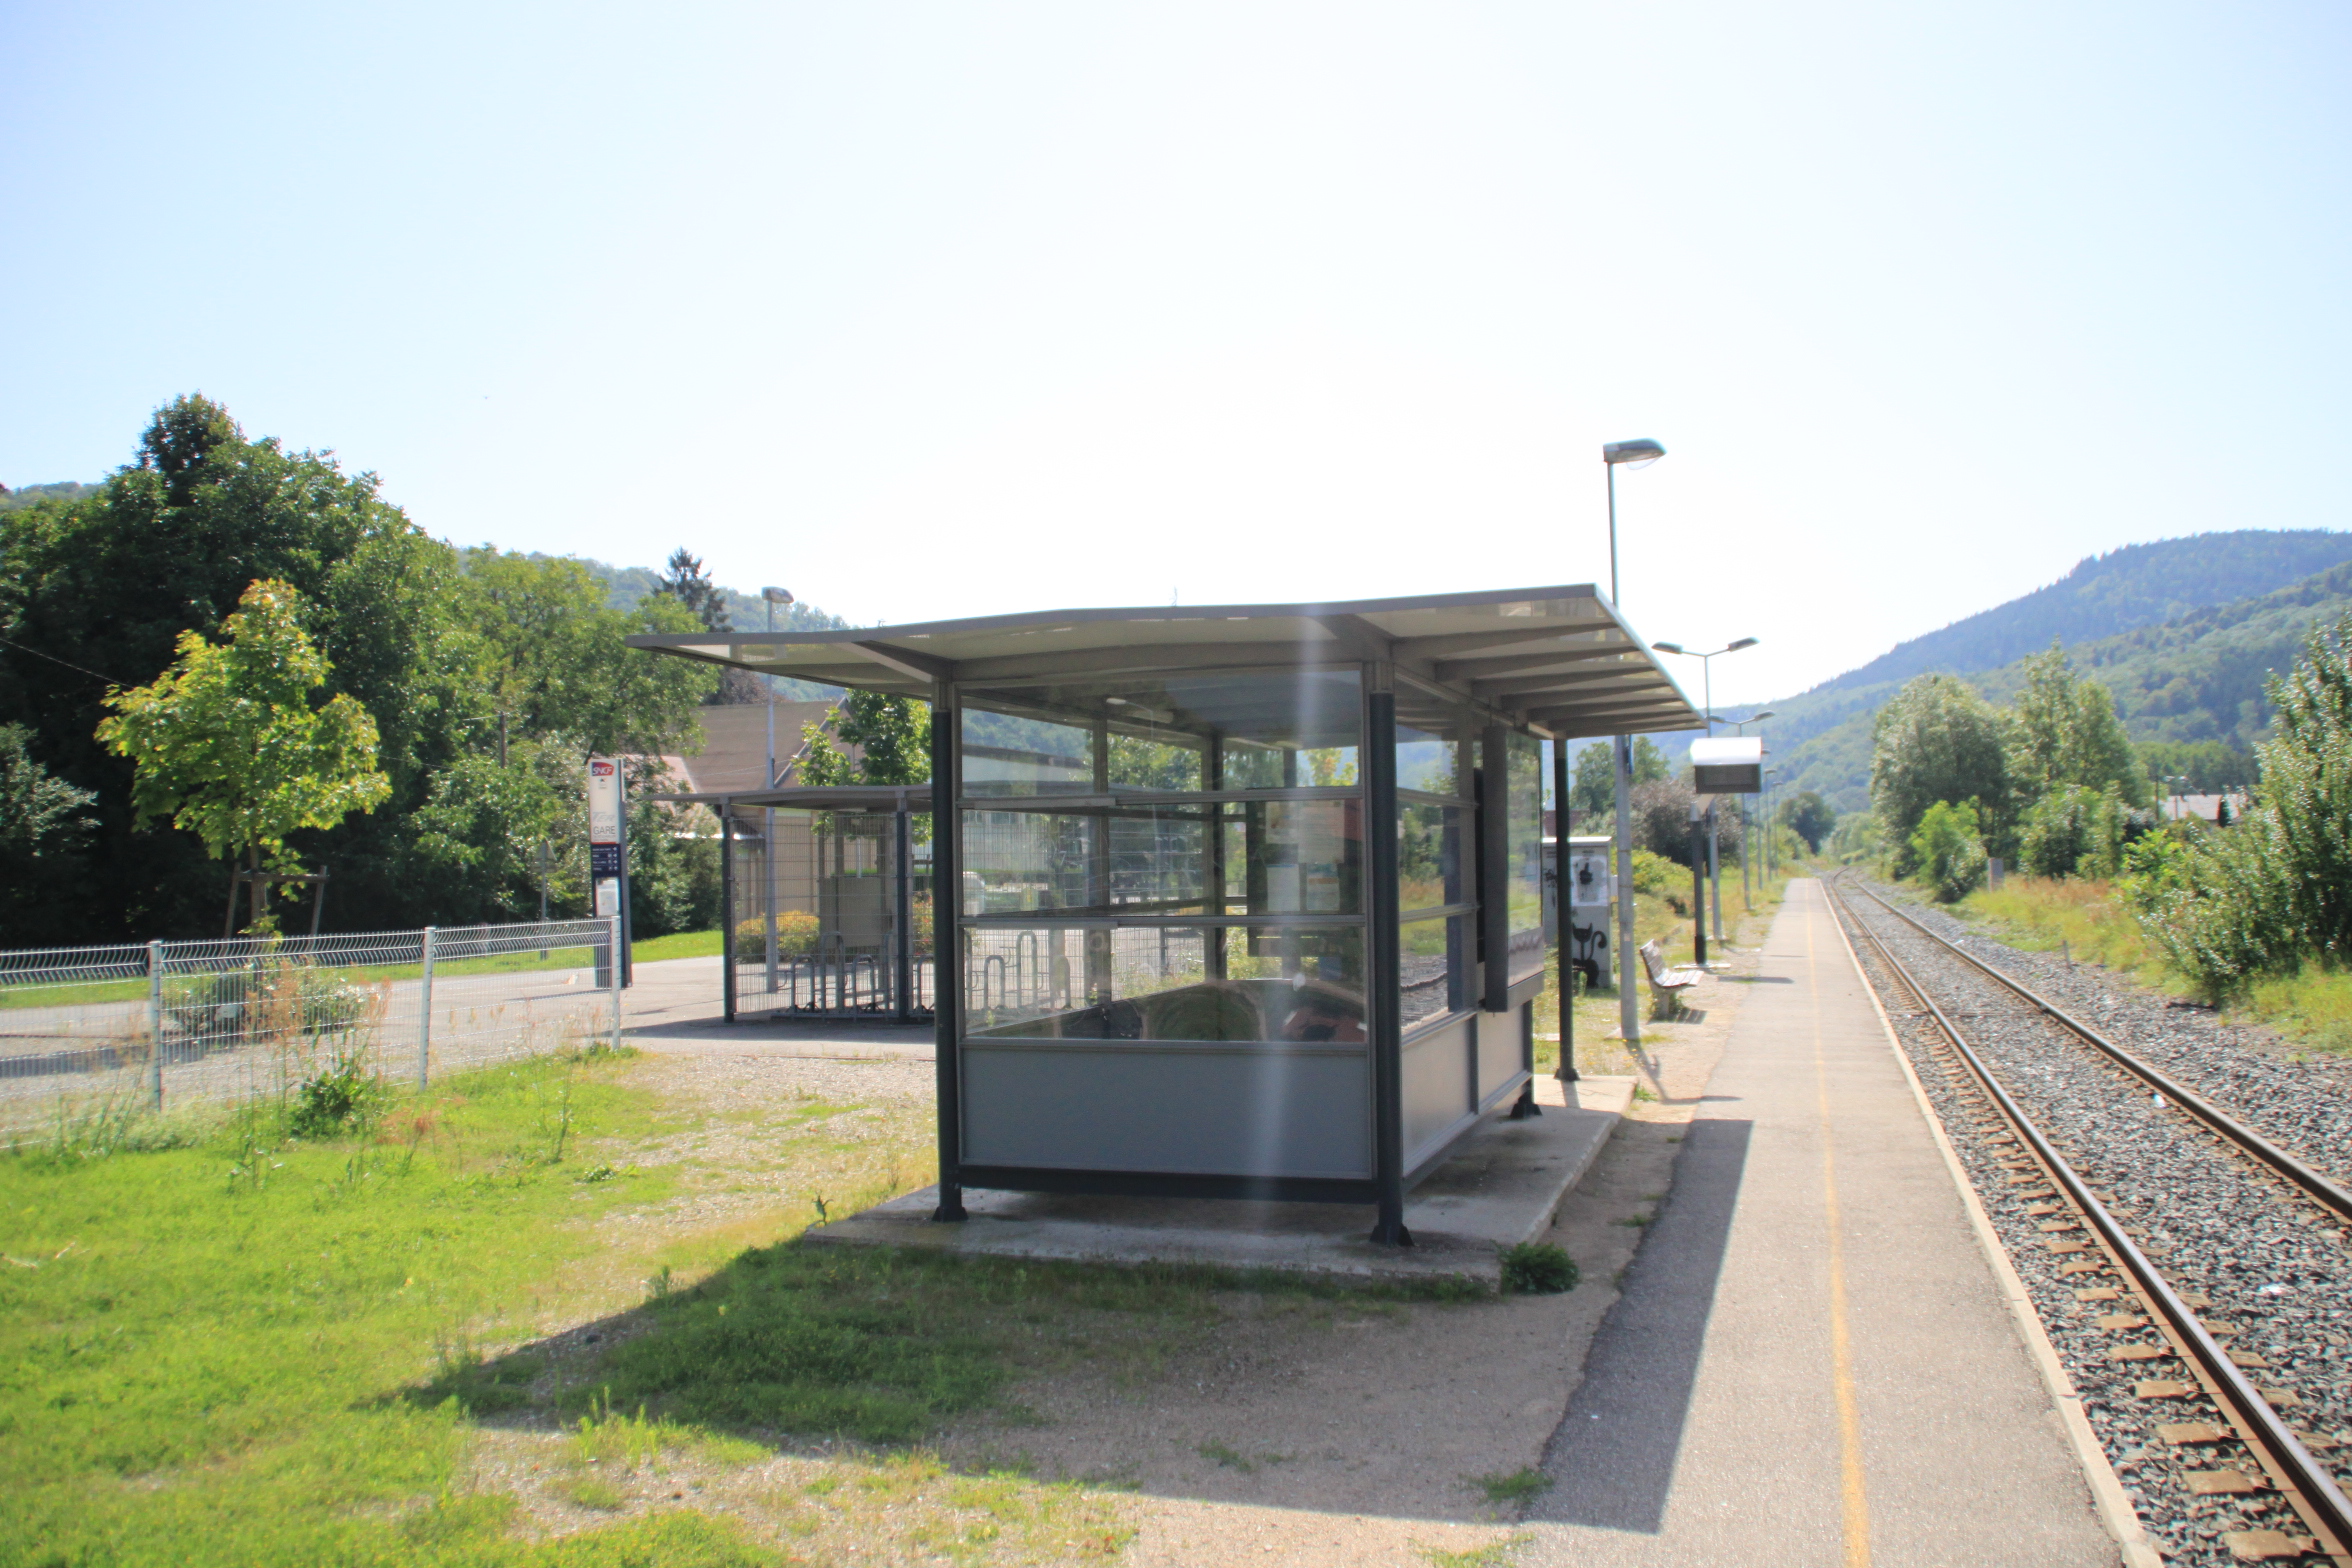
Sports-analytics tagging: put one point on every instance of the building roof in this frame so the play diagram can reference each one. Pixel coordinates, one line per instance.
(1560, 660)
(734, 752)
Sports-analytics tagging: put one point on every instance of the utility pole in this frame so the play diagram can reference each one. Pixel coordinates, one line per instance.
(774, 597)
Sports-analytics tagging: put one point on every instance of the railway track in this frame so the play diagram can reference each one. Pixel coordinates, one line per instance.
(2247, 1486)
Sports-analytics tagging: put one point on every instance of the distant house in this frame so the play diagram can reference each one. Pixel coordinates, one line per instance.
(2205, 806)
(734, 754)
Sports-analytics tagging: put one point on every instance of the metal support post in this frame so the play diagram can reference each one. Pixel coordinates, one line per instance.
(947, 949)
(618, 978)
(1380, 836)
(1698, 885)
(1628, 1003)
(155, 1026)
(904, 982)
(425, 1014)
(1564, 939)
(727, 913)
(1715, 870)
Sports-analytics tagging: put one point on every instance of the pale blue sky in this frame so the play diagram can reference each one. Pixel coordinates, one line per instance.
(951, 309)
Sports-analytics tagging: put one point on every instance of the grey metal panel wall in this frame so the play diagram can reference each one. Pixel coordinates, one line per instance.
(1499, 1050)
(1436, 1086)
(1130, 1107)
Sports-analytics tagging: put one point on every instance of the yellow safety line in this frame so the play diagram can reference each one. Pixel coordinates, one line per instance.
(1841, 1344)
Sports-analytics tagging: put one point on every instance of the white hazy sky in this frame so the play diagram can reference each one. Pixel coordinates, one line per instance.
(942, 309)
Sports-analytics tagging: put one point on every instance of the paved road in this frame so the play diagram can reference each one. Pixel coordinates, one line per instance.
(1812, 1362)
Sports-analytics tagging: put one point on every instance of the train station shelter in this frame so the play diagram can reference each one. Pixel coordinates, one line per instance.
(1240, 901)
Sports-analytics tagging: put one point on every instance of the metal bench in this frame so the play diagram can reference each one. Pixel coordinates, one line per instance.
(1667, 985)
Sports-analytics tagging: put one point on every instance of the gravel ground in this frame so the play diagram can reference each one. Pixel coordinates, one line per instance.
(2278, 1281)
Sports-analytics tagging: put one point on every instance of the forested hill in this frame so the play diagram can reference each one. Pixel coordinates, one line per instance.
(2198, 676)
(2138, 585)
(627, 586)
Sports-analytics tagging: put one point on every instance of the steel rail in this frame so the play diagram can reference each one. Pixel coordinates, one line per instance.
(2308, 1486)
(2329, 1194)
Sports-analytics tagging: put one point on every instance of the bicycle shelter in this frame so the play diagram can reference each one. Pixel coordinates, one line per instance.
(1248, 901)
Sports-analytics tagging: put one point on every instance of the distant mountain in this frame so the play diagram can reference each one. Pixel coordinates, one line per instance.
(28, 495)
(624, 586)
(2183, 631)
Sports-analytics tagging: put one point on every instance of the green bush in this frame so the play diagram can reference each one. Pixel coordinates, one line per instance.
(2074, 831)
(1947, 852)
(1538, 1268)
(2274, 892)
(1662, 878)
(344, 1097)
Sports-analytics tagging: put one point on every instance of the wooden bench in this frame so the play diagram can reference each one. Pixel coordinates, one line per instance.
(1667, 985)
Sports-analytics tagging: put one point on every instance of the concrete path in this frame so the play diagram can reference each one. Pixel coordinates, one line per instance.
(1811, 1362)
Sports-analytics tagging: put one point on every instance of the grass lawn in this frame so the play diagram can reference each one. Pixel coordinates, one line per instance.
(225, 1345)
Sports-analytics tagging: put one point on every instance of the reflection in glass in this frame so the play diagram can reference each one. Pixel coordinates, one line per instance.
(1286, 730)
(1004, 754)
(1129, 860)
(1429, 763)
(1294, 857)
(1429, 856)
(1297, 983)
(1523, 859)
(1433, 970)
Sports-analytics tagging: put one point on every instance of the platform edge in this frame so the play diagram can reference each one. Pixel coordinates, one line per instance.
(2115, 1510)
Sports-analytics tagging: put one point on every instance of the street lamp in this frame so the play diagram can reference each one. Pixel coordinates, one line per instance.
(1640, 454)
(774, 596)
(1707, 680)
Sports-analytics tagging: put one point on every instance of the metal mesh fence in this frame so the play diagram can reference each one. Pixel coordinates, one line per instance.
(171, 1022)
(829, 917)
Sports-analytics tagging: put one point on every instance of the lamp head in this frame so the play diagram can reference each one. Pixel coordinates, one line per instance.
(1758, 718)
(1640, 453)
(777, 595)
(1667, 647)
(1744, 642)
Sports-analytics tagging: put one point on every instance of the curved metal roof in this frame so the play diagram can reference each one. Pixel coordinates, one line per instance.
(1559, 660)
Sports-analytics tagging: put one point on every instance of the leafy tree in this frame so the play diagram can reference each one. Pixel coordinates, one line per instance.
(39, 813)
(1946, 849)
(229, 747)
(1857, 839)
(1937, 740)
(2074, 831)
(1808, 816)
(893, 732)
(1592, 786)
(2065, 732)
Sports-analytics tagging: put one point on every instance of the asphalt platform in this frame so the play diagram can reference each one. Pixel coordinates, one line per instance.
(1813, 1361)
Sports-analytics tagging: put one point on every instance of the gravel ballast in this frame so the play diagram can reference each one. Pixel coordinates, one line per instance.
(2276, 1270)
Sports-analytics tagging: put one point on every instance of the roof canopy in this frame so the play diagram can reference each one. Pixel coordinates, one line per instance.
(1558, 660)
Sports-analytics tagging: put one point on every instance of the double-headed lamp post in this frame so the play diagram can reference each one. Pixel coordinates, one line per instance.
(1638, 454)
(1707, 685)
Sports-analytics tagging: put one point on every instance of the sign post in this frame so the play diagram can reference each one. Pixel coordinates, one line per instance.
(608, 862)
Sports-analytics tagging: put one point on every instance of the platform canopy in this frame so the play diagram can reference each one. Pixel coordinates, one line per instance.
(1560, 661)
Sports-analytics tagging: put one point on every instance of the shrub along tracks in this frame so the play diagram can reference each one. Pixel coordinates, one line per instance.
(2198, 1297)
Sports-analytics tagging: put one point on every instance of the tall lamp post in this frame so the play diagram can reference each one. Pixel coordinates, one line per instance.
(1707, 681)
(1771, 845)
(1641, 454)
(774, 596)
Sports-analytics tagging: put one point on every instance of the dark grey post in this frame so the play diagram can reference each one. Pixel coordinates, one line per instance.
(1494, 865)
(1698, 842)
(947, 947)
(1381, 977)
(905, 892)
(1563, 940)
(727, 906)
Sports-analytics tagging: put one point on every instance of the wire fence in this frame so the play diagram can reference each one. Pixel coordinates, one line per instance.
(166, 1023)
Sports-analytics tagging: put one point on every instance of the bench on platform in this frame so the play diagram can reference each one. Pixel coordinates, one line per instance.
(1667, 985)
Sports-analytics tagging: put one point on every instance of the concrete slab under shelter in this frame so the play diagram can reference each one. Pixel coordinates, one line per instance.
(1812, 1360)
(1501, 1188)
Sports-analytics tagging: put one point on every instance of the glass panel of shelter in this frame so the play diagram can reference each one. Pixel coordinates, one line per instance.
(1437, 768)
(1231, 797)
